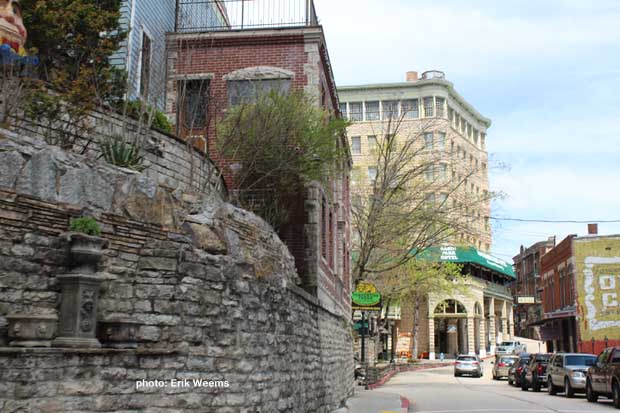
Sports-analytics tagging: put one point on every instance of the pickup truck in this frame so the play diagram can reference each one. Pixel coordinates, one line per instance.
(603, 379)
(510, 347)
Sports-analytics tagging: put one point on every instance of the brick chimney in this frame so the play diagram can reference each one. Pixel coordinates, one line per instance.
(592, 229)
(411, 76)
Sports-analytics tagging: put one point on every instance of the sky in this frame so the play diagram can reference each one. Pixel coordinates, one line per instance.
(547, 73)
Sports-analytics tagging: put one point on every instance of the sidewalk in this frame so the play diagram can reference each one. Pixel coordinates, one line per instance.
(375, 401)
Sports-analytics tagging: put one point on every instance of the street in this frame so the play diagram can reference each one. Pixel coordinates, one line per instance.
(438, 391)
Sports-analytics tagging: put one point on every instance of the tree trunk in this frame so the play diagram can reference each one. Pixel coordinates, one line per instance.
(413, 347)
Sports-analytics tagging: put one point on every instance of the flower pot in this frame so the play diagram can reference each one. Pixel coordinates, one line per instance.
(31, 330)
(85, 252)
(118, 333)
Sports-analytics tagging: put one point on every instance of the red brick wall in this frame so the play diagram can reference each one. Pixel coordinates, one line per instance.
(552, 290)
(218, 56)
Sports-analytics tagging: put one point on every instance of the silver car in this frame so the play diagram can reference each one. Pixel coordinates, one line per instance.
(467, 365)
(502, 364)
(567, 372)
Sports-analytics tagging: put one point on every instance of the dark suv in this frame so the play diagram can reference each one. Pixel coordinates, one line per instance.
(603, 379)
(535, 375)
(515, 373)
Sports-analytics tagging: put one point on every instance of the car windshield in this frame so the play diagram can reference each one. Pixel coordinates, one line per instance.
(466, 358)
(508, 360)
(542, 357)
(507, 343)
(580, 360)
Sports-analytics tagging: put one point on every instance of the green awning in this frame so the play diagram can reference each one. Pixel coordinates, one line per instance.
(467, 255)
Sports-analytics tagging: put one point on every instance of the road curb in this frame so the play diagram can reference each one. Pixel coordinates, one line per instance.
(391, 374)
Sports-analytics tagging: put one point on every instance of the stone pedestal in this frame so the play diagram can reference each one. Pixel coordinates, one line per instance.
(28, 330)
(431, 338)
(78, 311)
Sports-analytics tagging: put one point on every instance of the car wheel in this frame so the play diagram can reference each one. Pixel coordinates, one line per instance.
(524, 385)
(510, 382)
(590, 394)
(550, 387)
(535, 385)
(568, 389)
(495, 377)
(616, 395)
(456, 375)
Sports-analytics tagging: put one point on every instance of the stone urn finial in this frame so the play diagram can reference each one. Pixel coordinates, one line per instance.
(13, 33)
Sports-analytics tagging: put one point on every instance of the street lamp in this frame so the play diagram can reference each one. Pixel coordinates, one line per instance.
(592, 345)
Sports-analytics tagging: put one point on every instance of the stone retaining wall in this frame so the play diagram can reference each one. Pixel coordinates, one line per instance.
(213, 289)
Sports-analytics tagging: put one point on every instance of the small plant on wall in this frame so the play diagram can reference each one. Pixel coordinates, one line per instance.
(118, 152)
(85, 225)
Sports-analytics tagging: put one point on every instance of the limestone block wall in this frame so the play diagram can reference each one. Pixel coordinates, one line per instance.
(213, 289)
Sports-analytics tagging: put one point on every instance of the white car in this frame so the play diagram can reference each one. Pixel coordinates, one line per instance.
(510, 347)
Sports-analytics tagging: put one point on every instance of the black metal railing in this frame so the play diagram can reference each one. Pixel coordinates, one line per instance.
(218, 15)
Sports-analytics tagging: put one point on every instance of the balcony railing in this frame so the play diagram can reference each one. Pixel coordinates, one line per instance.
(218, 15)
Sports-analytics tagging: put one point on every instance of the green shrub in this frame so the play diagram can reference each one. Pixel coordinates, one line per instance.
(160, 121)
(85, 225)
(120, 153)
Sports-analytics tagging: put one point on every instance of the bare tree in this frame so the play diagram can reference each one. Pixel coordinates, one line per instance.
(420, 196)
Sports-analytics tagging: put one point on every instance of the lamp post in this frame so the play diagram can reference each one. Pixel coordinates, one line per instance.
(592, 345)
(606, 342)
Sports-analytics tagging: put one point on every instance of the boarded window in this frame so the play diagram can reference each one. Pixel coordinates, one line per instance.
(249, 91)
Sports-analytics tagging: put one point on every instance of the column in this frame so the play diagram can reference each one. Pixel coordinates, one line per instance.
(431, 338)
(511, 320)
(483, 337)
(471, 339)
(504, 322)
(492, 333)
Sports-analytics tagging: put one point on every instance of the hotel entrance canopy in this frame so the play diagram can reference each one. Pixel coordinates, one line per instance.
(467, 255)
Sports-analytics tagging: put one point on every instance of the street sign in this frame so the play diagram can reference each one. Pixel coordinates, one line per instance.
(366, 297)
(526, 300)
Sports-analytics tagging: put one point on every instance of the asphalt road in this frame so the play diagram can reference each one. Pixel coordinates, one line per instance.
(438, 391)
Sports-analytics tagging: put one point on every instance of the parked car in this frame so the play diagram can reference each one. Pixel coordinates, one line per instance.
(603, 379)
(502, 364)
(468, 365)
(568, 371)
(515, 373)
(510, 347)
(535, 372)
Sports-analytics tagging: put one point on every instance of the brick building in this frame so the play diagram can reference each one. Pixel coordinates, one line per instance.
(527, 289)
(581, 290)
(212, 68)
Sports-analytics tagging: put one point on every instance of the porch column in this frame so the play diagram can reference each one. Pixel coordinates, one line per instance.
(483, 337)
(431, 338)
(511, 320)
(452, 333)
(471, 337)
(504, 322)
(492, 333)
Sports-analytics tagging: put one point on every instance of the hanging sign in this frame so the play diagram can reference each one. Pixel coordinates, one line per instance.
(366, 297)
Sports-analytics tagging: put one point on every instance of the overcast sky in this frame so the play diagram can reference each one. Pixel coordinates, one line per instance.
(548, 75)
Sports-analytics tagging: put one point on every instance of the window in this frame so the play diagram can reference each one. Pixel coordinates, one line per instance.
(442, 200)
(441, 141)
(410, 109)
(390, 109)
(430, 173)
(372, 110)
(439, 103)
(469, 130)
(457, 121)
(476, 136)
(356, 145)
(450, 115)
(145, 65)
(372, 173)
(194, 98)
(372, 142)
(343, 110)
(430, 200)
(483, 137)
(463, 123)
(428, 141)
(355, 111)
(428, 107)
(249, 91)
(443, 170)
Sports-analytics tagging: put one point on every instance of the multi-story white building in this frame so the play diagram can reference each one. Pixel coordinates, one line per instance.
(453, 134)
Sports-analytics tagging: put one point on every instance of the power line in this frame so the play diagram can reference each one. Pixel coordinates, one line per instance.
(552, 221)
